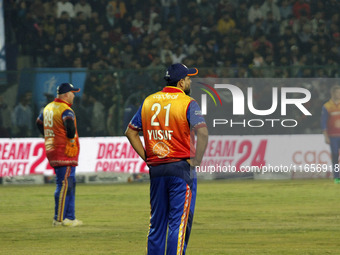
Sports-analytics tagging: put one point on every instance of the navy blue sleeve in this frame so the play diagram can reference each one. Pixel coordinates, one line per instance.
(136, 121)
(194, 115)
(68, 119)
(324, 118)
(68, 114)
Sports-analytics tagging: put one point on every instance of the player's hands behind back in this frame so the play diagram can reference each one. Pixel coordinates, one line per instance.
(71, 149)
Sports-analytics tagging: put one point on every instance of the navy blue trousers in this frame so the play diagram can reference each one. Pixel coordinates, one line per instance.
(64, 195)
(173, 189)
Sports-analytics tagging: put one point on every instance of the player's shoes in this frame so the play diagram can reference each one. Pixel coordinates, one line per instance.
(56, 223)
(337, 180)
(72, 223)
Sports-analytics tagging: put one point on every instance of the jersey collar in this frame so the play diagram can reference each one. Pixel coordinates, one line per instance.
(172, 89)
(58, 100)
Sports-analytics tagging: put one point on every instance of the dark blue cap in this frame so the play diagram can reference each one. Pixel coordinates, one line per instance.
(66, 87)
(178, 71)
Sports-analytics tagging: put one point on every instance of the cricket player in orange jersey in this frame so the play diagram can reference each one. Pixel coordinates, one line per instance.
(330, 123)
(169, 120)
(58, 125)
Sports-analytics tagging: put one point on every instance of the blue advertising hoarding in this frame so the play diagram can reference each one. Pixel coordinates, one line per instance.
(42, 81)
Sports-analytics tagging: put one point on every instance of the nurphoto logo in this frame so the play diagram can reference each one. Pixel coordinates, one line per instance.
(254, 105)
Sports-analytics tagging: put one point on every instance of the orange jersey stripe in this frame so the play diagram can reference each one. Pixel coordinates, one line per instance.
(62, 195)
(184, 221)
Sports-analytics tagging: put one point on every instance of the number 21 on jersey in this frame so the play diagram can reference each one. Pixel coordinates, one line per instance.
(157, 108)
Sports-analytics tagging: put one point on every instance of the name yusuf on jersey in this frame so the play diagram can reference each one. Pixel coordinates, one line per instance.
(160, 134)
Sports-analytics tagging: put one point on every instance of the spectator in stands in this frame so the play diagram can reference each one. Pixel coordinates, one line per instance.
(317, 22)
(205, 8)
(49, 26)
(271, 26)
(77, 62)
(258, 60)
(154, 23)
(65, 6)
(84, 7)
(131, 106)
(86, 43)
(98, 123)
(104, 45)
(109, 20)
(79, 20)
(178, 55)
(50, 8)
(257, 28)
(286, 10)
(225, 24)
(170, 8)
(65, 26)
(5, 119)
(314, 57)
(305, 38)
(115, 116)
(119, 9)
(66, 56)
(165, 52)
(255, 12)
(22, 118)
(138, 22)
(262, 44)
(294, 56)
(331, 8)
(270, 6)
(301, 6)
(83, 116)
(37, 9)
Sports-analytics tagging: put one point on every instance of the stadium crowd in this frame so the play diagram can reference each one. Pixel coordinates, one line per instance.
(224, 38)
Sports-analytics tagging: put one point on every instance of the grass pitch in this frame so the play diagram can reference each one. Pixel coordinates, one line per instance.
(232, 217)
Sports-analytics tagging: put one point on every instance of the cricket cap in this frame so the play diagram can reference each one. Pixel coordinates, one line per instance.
(66, 87)
(178, 71)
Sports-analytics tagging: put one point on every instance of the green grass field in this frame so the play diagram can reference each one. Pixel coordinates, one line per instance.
(232, 217)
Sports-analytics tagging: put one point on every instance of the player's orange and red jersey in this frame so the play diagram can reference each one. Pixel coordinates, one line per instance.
(53, 117)
(168, 119)
(330, 118)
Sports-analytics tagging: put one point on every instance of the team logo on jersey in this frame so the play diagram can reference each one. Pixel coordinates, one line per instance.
(161, 150)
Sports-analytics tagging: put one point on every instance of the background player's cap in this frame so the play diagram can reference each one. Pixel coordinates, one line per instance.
(66, 87)
(178, 71)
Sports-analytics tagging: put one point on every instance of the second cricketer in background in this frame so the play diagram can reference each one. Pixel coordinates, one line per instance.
(169, 120)
(330, 123)
(58, 125)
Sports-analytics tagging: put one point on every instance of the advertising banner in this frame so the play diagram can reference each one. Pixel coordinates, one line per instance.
(26, 156)
(296, 156)
(299, 156)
